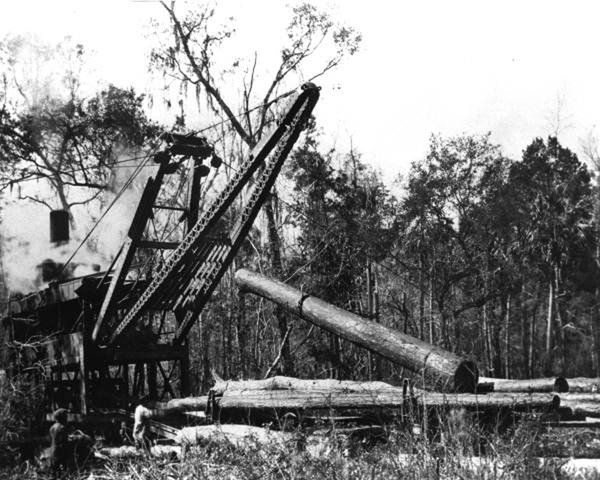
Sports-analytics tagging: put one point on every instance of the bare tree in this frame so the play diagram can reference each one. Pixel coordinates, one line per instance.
(558, 119)
(56, 136)
(188, 57)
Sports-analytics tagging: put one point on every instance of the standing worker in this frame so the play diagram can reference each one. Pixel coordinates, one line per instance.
(59, 441)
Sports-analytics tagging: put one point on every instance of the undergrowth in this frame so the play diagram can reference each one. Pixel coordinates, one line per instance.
(403, 456)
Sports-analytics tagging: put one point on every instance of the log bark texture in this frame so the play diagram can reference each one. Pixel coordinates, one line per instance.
(290, 383)
(441, 369)
(581, 404)
(143, 415)
(172, 407)
(584, 385)
(128, 451)
(325, 399)
(557, 384)
(237, 435)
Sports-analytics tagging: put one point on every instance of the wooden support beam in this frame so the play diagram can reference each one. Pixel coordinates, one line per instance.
(120, 356)
(158, 244)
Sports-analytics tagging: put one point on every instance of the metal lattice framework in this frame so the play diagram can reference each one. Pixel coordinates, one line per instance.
(189, 275)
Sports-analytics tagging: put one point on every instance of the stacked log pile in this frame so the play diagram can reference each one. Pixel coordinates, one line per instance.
(284, 393)
(453, 380)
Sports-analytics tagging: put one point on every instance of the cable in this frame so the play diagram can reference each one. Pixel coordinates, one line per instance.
(144, 162)
(193, 132)
(256, 107)
(112, 203)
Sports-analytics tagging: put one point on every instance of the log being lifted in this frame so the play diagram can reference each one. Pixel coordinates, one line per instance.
(558, 384)
(441, 369)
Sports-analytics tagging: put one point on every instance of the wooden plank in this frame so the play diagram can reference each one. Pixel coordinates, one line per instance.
(120, 356)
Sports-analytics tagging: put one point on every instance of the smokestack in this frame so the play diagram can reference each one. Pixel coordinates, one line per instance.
(59, 226)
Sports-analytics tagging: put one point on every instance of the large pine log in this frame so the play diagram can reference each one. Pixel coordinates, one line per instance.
(129, 451)
(324, 399)
(581, 404)
(441, 369)
(514, 400)
(558, 384)
(172, 407)
(584, 385)
(237, 435)
(290, 383)
(143, 415)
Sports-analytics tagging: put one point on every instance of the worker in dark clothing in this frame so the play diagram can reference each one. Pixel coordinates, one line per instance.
(59, 437)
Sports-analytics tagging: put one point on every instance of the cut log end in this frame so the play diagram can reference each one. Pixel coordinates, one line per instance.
(561, 385)
(466, 377)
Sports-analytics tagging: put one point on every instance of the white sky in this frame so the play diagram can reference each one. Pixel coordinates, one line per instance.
(447, 67)
(424, 67)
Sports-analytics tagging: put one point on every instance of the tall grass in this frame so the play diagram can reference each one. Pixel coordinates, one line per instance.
(451, 453)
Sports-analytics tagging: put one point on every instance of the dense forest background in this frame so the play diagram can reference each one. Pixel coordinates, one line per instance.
(492, 257)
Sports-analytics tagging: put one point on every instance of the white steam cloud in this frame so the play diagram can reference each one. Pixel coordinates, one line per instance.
(25, 232)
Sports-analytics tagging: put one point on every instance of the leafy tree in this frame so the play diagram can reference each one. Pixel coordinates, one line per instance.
(72, 145)
(344, 217)
(554, 206)
(446, 215)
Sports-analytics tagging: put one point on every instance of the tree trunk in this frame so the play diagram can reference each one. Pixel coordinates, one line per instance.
(241, 337)
(421, 300)
(549, 317)
(277, 270)
(431, 332)
(62, 198)
(596, 334)
(206, 365)
(507, 338)
(524, 340)
(486, 338)
(440, 367)
(559, 319)
(497, 341)
(532, 339)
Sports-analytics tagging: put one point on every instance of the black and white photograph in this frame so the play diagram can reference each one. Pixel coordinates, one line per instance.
(299, 239)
